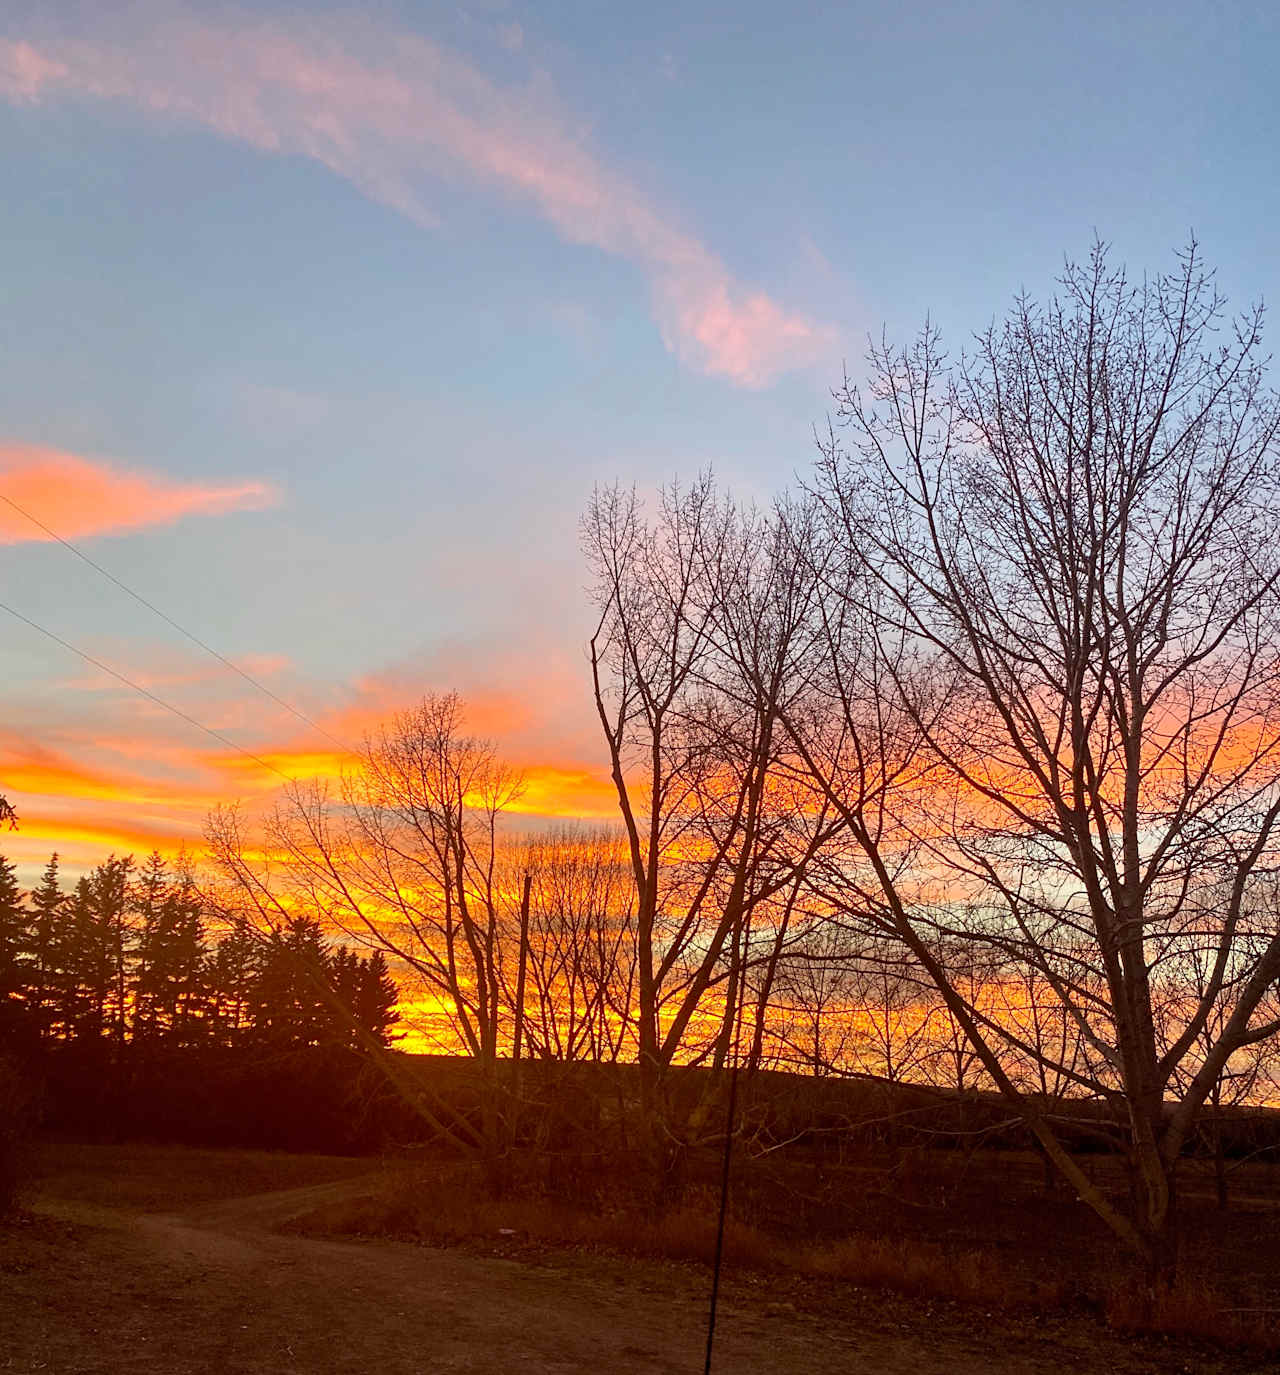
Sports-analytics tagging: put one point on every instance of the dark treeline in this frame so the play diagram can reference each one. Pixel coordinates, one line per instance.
(132, 1014)
(126, 956)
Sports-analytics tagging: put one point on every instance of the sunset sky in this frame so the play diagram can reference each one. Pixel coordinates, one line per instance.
(320, 323)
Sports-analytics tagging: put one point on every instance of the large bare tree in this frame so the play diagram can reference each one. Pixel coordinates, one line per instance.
(1051, 699)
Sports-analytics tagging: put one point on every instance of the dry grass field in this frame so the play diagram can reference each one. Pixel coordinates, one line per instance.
(177, 1260)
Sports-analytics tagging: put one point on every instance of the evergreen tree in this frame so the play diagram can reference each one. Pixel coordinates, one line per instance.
(113, 910)
(14, 953)
(46, 902)
(289, 1010)
(151, 889)
(82, 966)
(344, 970)
(230, 979)
(92, 946)
(375, 1007)
(368, 994)
(173, 959)
(171, 956)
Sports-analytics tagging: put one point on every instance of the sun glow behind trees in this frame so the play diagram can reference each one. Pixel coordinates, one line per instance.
(993, 703)
(959, 764)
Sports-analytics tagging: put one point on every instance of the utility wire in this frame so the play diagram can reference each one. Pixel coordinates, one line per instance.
(181, 629)
(146, 692)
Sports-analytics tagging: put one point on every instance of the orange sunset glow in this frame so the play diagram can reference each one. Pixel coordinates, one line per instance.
(641, 688)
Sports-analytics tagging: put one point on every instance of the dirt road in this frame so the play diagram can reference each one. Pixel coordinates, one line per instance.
(219, 1289)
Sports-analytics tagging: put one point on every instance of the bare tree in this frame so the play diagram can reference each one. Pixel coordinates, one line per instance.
(1244, 1076)
(579, 944)
(405, 858)
(1053, 611)
(694, 652)
(819, 1009)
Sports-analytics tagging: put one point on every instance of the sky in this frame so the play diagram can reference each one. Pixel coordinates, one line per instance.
(319, 323)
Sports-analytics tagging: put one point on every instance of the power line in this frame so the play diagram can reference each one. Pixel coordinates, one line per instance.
(146, 692)
(181, 629)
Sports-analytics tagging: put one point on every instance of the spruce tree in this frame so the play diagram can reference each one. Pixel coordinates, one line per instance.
(171, 956)
(173, 981)
(114, 909)
(343, 970)
(93, 946)
(378, 995)
(150, 892)
(82, 965)
(289, 1009)
(46, 903)
(230, 977)
(14, 952)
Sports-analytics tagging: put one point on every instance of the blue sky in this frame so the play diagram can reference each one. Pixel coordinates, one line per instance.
(375, 297)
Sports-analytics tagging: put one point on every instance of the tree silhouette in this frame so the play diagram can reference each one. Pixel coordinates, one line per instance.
(1047, 699)
(288, 1008)
(14, 952)
(172, 959)
(46, 902)
(230, 976)
(83, 965)
(376, 998)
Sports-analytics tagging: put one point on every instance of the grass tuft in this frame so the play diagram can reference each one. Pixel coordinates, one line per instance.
(1192, 1308)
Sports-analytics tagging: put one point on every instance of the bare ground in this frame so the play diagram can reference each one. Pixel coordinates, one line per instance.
(93, 1286)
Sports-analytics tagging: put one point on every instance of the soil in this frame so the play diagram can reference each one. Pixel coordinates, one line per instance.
(101, 1279)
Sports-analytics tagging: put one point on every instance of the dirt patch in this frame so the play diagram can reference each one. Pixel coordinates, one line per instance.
(91, 1286)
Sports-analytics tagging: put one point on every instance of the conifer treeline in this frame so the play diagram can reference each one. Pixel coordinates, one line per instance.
(126, 957)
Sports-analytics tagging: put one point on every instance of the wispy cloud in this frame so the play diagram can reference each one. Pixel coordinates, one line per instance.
(130, 778)
(77, 496)
(392, 113)
(35, 770)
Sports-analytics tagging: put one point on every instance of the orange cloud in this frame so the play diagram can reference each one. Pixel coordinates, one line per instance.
(296, 764)
(79, 497)
(570, 793)
(390, 112)
(37, 771)
(126, 777)
(38, 836)
(56, 779)
(549, 790)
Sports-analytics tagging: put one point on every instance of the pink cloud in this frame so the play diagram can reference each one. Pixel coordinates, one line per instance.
(392, 113)
(744, 336)
(24, 72)
(76, 496)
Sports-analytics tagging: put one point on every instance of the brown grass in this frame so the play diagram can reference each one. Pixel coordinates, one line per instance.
(158, 1178)
(1194, 1309)
(449, 1206)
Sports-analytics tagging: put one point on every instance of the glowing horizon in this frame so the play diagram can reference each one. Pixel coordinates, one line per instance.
(326, 325)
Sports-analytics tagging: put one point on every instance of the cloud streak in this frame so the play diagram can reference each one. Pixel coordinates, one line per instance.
(78, 497)
(393, 113)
